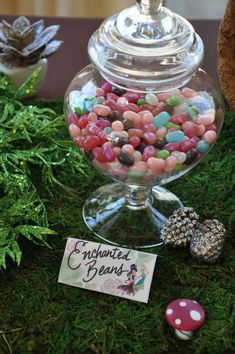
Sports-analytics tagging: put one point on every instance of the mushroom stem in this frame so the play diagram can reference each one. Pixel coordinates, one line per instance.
(183, 335)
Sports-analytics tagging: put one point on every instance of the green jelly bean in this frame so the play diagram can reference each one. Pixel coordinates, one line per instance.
(192, 111)
(173, 101)
(170, 125)
(79, 111)
(136, 174)
(163, 154)
(141, 101)
(178, 167)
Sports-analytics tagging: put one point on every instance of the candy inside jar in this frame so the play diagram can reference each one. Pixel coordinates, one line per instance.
(142, 113)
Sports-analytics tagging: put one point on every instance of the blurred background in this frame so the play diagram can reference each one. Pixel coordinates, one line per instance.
(191, 9)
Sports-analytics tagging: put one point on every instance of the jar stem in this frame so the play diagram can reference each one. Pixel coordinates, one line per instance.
(137, 197)
(149, 7)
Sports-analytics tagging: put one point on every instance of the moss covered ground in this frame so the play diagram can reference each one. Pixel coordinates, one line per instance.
(38, 315)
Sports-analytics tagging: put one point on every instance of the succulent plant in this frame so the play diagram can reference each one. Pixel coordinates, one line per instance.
(23, 43)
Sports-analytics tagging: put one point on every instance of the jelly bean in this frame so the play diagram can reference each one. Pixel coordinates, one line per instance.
(134, 117)
(92, 129)
(100, 100)
(141, 101)
(135, 132)
(150, 138)
(163, 154)
(191, 156)
(125, 159)
(155, 164)
(151, 99)
(174, 136)
(210, 136)
(132, 97)
(134, 174)
(97, 154)
(92, 116)
(161, 119)
(117, 149)
(118, 91)
(180, 156)
(102, 123)
(107, 87)
(128, 148)
(186, 146)
(162, 97)
(187, 125)
(188, 92)
(179, 118)
(137, 156)
(194, 140)
(178, 167)
(72, 118)
(170, 164)
(114, 115)
(171, 125)
(112, 105)
(134, 141)
(83, 122)
(146, 107)
(100, 92)
(160, 143)
(201, 103)
(127, 124)
(148, 152)
(201, 129)
(149, 128)
(91, 142)
(211, 127)
(203, 146)
(131, 107)
(139, 166)
(205, 119)
(161, 132)
(112, 96)
(79, 140)
(102, 136)
(117, 126)
(108, 130)
(102, 110)
(108, 153)
(192, 111)
(172, 147)
(191, 131)
(74, 130)
(122, 134)
(168, 108)
(182, 108)
(141, 146)
(147, 118)
(173, 101)
(122, 101)
(158, 110)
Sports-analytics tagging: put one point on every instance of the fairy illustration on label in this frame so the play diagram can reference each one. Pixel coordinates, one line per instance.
(134, 281)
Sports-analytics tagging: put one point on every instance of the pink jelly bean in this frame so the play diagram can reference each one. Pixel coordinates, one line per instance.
(117, 126)
(192, 131)
(132, 116)
(97, 154)
(122, 101)
(102, 110)
(108, 153)
(112, 96)
(107, 87)
(150, 138)
(211, 127)
(210, 136)
(170, 164)
(122, 134)
(137, 156)
(205, 119)
(132, 107)
(117, 149)
(100, 92)
(74, 130)
(135, 132)
(134, 141)
(102, 123)
(188, 93)
(172, 147)
(92, 116)
(147, 118)
(155, 164)
(112, 104)
(92, 129)
(150, 127)
(100, 165)
(132, 97)
(141, 113)
(162, 97)
(194, 140)
(91, 142)
(128, 148)
(157, 110)
(161, 132)
(139, 166)
(180, 118)
(201, 129)
(187, 125)
(72, 118)
(186, 145)
(79, 140)
(103, 137)
(149, 151)
(146, 107)
(83, 121)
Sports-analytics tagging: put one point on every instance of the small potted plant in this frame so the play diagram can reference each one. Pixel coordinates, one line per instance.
(24, 47)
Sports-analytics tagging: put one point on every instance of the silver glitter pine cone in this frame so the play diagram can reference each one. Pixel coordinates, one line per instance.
(207, 242)
(180, 227)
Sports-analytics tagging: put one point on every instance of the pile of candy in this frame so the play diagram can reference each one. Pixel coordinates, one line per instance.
(132, 135)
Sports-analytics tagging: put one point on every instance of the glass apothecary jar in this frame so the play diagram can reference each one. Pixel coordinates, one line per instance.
(143, 113)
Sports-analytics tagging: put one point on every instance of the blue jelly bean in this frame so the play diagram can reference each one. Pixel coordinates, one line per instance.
(201, 103)
(161, 119)
(175, 136)
(108, 130)
(203, 146)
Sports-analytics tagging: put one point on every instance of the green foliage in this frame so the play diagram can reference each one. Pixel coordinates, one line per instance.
(33, 143)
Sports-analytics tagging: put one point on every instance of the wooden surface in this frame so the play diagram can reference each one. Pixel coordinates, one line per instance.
(72, 56)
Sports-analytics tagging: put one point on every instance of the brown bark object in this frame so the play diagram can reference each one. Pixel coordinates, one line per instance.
(226, 53)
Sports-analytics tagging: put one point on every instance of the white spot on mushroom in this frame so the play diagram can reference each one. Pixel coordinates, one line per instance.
(195, 315)
(182, 303)
(169, 311)
(178, 321)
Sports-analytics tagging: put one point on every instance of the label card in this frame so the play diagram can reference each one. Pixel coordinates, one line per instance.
(108, 269)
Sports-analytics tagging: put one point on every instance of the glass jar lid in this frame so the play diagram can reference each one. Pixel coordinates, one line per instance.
(146, 47)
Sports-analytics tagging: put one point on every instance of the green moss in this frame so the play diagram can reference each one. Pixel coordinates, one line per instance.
(55, 318)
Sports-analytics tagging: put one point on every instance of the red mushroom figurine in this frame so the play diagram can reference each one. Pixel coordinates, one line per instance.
(185, 316)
